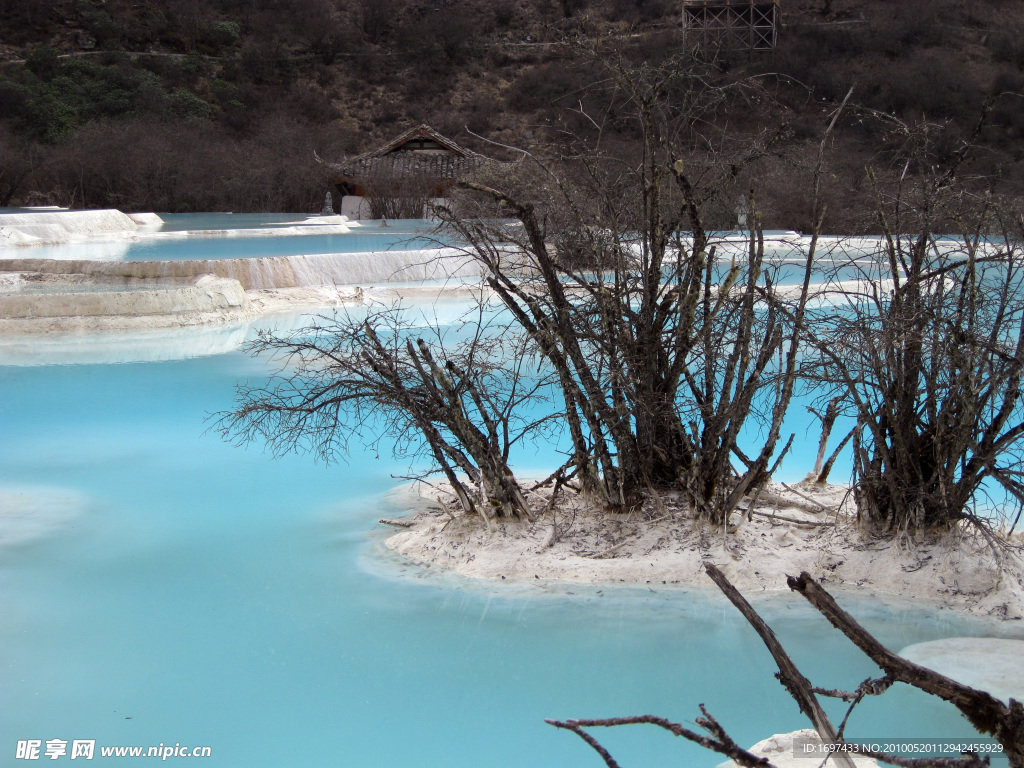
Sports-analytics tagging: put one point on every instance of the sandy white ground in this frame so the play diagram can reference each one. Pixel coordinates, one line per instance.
(663, 545)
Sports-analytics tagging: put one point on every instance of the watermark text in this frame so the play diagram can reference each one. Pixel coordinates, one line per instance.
(86, 749)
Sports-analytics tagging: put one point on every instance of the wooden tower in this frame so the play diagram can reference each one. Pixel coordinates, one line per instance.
(730, 26)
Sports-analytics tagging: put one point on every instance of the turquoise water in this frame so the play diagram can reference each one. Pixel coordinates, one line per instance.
(235, 236)
(369, 236)
(186, 591)
(202, 594)
(180, 222)
(357, 241)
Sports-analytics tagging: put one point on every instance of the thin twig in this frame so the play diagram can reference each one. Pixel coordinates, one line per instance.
(773, 516)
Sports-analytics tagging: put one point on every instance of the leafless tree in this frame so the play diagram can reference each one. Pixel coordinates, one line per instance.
(660, 351)
(457, 401)
(18, 161)
(664, 351)
(923, 341)
(397, 195)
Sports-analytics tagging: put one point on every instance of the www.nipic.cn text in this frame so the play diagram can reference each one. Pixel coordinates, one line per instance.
(86, 749)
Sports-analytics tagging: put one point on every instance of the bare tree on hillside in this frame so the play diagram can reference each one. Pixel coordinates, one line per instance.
(19, 160)
(377, 17)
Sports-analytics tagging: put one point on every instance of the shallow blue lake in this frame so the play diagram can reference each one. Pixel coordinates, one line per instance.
(197, 593)
(236, 236)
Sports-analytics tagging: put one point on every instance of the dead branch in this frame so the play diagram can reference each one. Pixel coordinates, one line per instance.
(868, 687)
(821, 507)
(969, 760)
(799, 687)
(594, 743)
(827, 420)
(722, 743)
(611, 550)
(985, 712)
(781, 501)
(773, 516)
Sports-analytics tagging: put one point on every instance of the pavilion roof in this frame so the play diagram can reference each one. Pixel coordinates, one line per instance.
(450, 161)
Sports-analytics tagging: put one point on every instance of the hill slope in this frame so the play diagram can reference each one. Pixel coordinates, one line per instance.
(178, 105)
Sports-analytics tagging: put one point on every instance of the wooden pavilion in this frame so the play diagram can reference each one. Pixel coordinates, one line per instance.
(399, 178)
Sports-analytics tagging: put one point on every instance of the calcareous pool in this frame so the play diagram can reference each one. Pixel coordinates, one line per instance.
(160, 587)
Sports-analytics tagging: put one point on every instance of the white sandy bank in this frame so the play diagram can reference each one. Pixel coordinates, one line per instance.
(663, 545)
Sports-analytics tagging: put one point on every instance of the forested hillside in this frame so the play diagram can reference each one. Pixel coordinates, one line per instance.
(181, 105)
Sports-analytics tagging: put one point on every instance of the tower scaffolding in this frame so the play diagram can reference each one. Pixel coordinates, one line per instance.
(731, 25)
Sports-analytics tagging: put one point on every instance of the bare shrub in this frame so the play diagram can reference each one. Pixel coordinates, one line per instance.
(397, 196)
(377, 17)
(662, 352)
(927, 349)
(382, 374)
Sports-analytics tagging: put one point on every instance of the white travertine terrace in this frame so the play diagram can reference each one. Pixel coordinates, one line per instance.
(274, 272)
(783, 751)
(991, 664)
(110, 225)
(50, 227)
(69, 298)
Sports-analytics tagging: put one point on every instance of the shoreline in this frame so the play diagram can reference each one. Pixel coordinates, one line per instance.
(661, 546)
